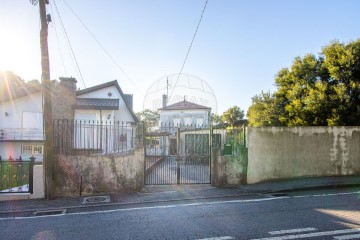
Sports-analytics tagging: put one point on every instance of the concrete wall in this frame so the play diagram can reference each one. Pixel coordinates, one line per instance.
(228, 170)
(283, 152)
(100, 174)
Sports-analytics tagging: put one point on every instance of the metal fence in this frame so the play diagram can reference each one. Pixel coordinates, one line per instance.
(22, 134)
(177, 154)
(16, 176)
(230, 140)
(80, 137)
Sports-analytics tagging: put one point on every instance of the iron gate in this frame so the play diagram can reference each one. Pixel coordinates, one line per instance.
(177, 155)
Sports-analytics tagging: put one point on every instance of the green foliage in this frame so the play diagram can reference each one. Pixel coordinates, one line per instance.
(233, 116)
(216, 120)
(150, 118)
(314, 91)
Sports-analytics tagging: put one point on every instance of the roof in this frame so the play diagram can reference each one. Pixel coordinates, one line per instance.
(97, 103)
(184, 105)
(12, 94)
(109, 84)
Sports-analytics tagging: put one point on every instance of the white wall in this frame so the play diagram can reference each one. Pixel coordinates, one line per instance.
(167, 116)
(15, 109)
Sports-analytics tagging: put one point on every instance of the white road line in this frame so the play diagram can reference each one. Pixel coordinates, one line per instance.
(310, 235)
(297, 230)
(327, 194)
(218, 238)
(152, 207)
(354, 236)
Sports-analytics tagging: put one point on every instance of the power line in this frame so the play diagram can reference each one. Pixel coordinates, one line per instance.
(187, 54)
(68, 41)
(57, 39)
(102, 47)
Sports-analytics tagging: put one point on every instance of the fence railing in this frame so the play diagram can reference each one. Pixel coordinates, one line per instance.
(194, 139)
(81, 137)
(21, 134)
(16, 176)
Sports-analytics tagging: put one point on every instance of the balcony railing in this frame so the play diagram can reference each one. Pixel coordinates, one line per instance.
(21, 134)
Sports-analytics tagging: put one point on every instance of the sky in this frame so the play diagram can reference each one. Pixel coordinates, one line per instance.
(239, 47)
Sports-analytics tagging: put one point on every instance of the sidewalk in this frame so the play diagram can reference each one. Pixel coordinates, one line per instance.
(165, 193)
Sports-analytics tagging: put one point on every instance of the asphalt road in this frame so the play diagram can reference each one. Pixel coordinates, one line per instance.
(307, 215)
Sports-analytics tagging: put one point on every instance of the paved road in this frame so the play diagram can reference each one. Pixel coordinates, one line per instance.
(309, 215)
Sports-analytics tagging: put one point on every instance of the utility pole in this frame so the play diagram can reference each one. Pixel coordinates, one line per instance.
(47, 108)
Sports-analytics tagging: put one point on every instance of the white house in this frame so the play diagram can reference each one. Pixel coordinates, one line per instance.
(184, 113)
(104, 106)
(185, 116)
(21, 123)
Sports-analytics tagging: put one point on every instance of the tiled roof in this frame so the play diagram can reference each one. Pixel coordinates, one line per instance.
(108, 84)
(184, 105)
(97, 103)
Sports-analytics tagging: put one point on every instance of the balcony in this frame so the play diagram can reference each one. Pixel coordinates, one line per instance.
(22, 134)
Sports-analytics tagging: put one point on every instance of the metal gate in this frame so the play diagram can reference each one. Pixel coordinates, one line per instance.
(177, 155)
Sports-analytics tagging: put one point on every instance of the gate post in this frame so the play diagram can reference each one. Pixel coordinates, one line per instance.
(31, 174)
(178, 156)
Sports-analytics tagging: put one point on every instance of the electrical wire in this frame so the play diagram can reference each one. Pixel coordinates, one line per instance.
(102, 47)
(69, 44)
(187, 54)
(58, 43)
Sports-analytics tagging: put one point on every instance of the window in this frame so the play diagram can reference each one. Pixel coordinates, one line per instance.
(199, 121)
(32, 150)
(187, 121)
(177, 121)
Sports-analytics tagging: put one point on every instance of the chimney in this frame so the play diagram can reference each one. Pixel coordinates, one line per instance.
(64, 99)
(164, 100)
(69, 83)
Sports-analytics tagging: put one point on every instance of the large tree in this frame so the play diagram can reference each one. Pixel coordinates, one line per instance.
(233, 116)
(319, 90)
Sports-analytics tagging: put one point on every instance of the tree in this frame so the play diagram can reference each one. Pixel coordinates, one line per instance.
(233, 116)
(264, 111)
(216, 120)
(314, 91)
(10, 81)
(149, 118)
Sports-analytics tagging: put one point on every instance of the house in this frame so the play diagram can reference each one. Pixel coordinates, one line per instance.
(99, 118)
(21, 123)
(184, 113)
(184, 116)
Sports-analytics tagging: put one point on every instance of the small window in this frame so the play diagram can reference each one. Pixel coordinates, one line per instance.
(199, 121)
(177, 121)
(32, 150)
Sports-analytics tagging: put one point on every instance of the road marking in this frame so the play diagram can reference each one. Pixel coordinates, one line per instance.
(297, 230)
(327, 194)
(310, 235)
(354, 236)
(218, 238)
(153, 207)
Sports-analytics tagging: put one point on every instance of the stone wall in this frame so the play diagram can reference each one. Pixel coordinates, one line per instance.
(283, 152)
(99, 174)
(64, 99)
(228, 170)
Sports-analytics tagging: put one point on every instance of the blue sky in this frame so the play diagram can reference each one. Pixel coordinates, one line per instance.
(239, 48)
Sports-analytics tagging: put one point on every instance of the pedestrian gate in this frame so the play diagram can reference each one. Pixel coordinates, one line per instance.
(177, 155)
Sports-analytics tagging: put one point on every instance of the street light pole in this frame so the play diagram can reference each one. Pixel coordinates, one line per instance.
(47, 108)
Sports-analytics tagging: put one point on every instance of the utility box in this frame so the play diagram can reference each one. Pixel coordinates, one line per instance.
(227, 149)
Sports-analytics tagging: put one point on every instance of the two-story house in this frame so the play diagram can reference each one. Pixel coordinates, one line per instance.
(92, 112)
(184, 113)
